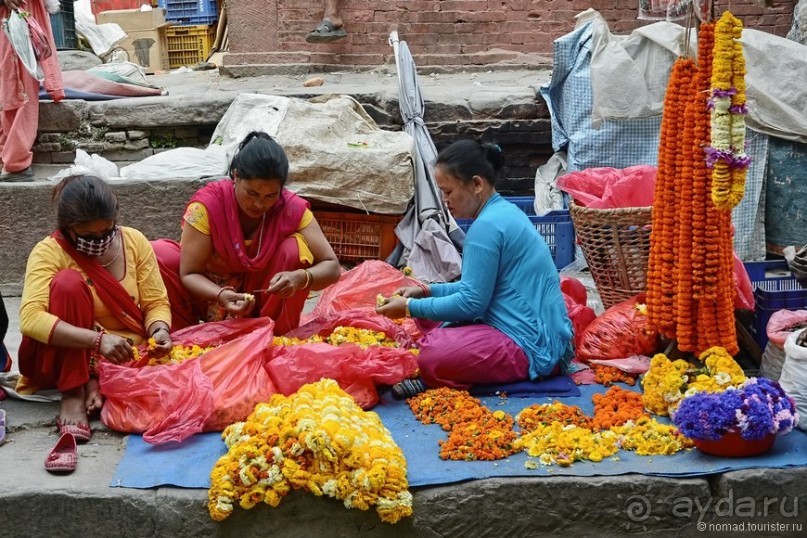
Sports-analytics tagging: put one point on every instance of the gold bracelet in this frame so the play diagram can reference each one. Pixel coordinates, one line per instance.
(408, 313)
(309, 279)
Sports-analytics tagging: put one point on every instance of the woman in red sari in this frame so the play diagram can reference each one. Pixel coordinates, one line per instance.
(249, 247)
(92, 290)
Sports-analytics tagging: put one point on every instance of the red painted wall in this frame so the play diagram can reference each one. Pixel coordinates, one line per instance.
(448, 32)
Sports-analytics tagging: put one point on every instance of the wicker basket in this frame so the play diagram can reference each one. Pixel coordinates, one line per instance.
(616, 245)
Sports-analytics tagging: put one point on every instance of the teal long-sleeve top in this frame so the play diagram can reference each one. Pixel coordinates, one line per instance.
(509, 281)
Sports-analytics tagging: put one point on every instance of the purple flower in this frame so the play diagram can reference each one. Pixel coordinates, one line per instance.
(756, 409)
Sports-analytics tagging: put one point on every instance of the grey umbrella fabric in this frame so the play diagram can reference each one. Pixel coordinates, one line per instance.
(418, 243)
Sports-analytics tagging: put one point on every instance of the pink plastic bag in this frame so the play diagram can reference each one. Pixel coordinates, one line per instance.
(575, 297)
(359, 287)
(608, 188)
(783, 323)
(621, 331)
(356, 370)
(744, 291)
(172, 402)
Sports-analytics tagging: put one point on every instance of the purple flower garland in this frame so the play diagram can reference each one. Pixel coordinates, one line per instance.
(755, 409)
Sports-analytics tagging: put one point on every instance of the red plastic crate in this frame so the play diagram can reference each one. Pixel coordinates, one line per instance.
(357, 237)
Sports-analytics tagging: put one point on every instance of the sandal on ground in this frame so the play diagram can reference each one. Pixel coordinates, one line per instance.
(408, 388)
(81, 432)
(2, 425)
(325, 32)
(64, 456)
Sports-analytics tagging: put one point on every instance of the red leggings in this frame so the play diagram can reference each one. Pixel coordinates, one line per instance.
(187, 311)
(458, 357)
(48, 366)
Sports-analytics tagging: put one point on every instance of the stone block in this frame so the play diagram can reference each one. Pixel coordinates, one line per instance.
(63, 157)
(115, 136)
(136, 135)
(136, 145)
(47, 146)
(63, 116)
(123, 155)
(41, 157)
(48, 137)
(160, 112)
(113, 146)
(92, 146)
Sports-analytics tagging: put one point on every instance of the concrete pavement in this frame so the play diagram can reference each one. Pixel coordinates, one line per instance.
(34, 503)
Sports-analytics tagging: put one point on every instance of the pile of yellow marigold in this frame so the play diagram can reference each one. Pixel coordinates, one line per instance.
(317, 440)
(668, 382)
(363, 338)
(179, 353)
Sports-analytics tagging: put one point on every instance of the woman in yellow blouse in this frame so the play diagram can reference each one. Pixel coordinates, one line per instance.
(249, 247)
(92, 290)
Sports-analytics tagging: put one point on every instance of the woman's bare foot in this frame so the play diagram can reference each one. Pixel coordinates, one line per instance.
(93, 400)
(73, 409)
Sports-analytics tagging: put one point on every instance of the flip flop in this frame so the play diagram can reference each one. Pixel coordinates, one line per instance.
(64, 456)
(81, 432)
(2, 425)
(325, 32)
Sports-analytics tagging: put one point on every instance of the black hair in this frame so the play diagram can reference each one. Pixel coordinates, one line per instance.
(83, 198)
(465, 159)
(260, 156)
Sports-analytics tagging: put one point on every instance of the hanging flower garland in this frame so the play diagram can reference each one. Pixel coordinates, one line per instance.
(318, 440)
(726, 155)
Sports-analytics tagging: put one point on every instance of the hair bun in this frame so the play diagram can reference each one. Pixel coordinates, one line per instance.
(494, 154)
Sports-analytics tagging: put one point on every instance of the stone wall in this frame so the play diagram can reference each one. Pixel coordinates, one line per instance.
(453, 32)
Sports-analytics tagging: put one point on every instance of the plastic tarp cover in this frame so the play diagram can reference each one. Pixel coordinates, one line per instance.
(337, 153)
(180, 162)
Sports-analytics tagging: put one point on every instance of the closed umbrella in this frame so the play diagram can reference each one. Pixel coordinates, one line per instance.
(431, 250)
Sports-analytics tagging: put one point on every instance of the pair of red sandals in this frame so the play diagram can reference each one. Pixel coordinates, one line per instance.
(64, 456)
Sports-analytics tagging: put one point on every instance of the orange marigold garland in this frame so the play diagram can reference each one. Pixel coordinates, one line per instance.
(663, 242)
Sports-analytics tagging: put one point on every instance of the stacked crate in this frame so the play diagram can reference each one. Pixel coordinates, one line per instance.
(191, 38)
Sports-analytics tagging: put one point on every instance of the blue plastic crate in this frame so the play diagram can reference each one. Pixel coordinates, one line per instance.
(64, 27)
(190, 12)
(555, 227)
(773, 293)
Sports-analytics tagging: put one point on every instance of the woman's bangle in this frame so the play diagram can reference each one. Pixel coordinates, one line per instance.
(218, 295)
(309, 279)
(408, 313)
(95, 354)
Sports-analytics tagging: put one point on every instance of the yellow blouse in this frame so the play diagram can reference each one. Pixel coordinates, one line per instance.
(196, 216)
(142, 280)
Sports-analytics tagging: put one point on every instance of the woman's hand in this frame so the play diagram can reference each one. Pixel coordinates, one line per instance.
(163, 343)
(115, 349)
(415, 292)
(393, 308)
(236, 303)
(287, 283)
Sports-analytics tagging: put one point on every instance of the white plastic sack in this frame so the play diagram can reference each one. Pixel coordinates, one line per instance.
(773, 358)
(93, 165)
(629, 73)
(548, 196)
(337, 153)
(775, 85)
(103, 38)
(180, 162)
(16, 29)
(794, 376)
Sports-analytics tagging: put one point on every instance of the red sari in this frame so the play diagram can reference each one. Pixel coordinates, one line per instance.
(254, 265)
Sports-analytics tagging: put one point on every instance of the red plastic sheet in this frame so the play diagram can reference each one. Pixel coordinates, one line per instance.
(172, 402)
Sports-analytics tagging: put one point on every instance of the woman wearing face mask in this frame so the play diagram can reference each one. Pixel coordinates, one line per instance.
(508, 320)
(249, 246)
(92, 290)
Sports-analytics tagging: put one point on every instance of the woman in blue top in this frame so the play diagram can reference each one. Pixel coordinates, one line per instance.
(507, 320)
